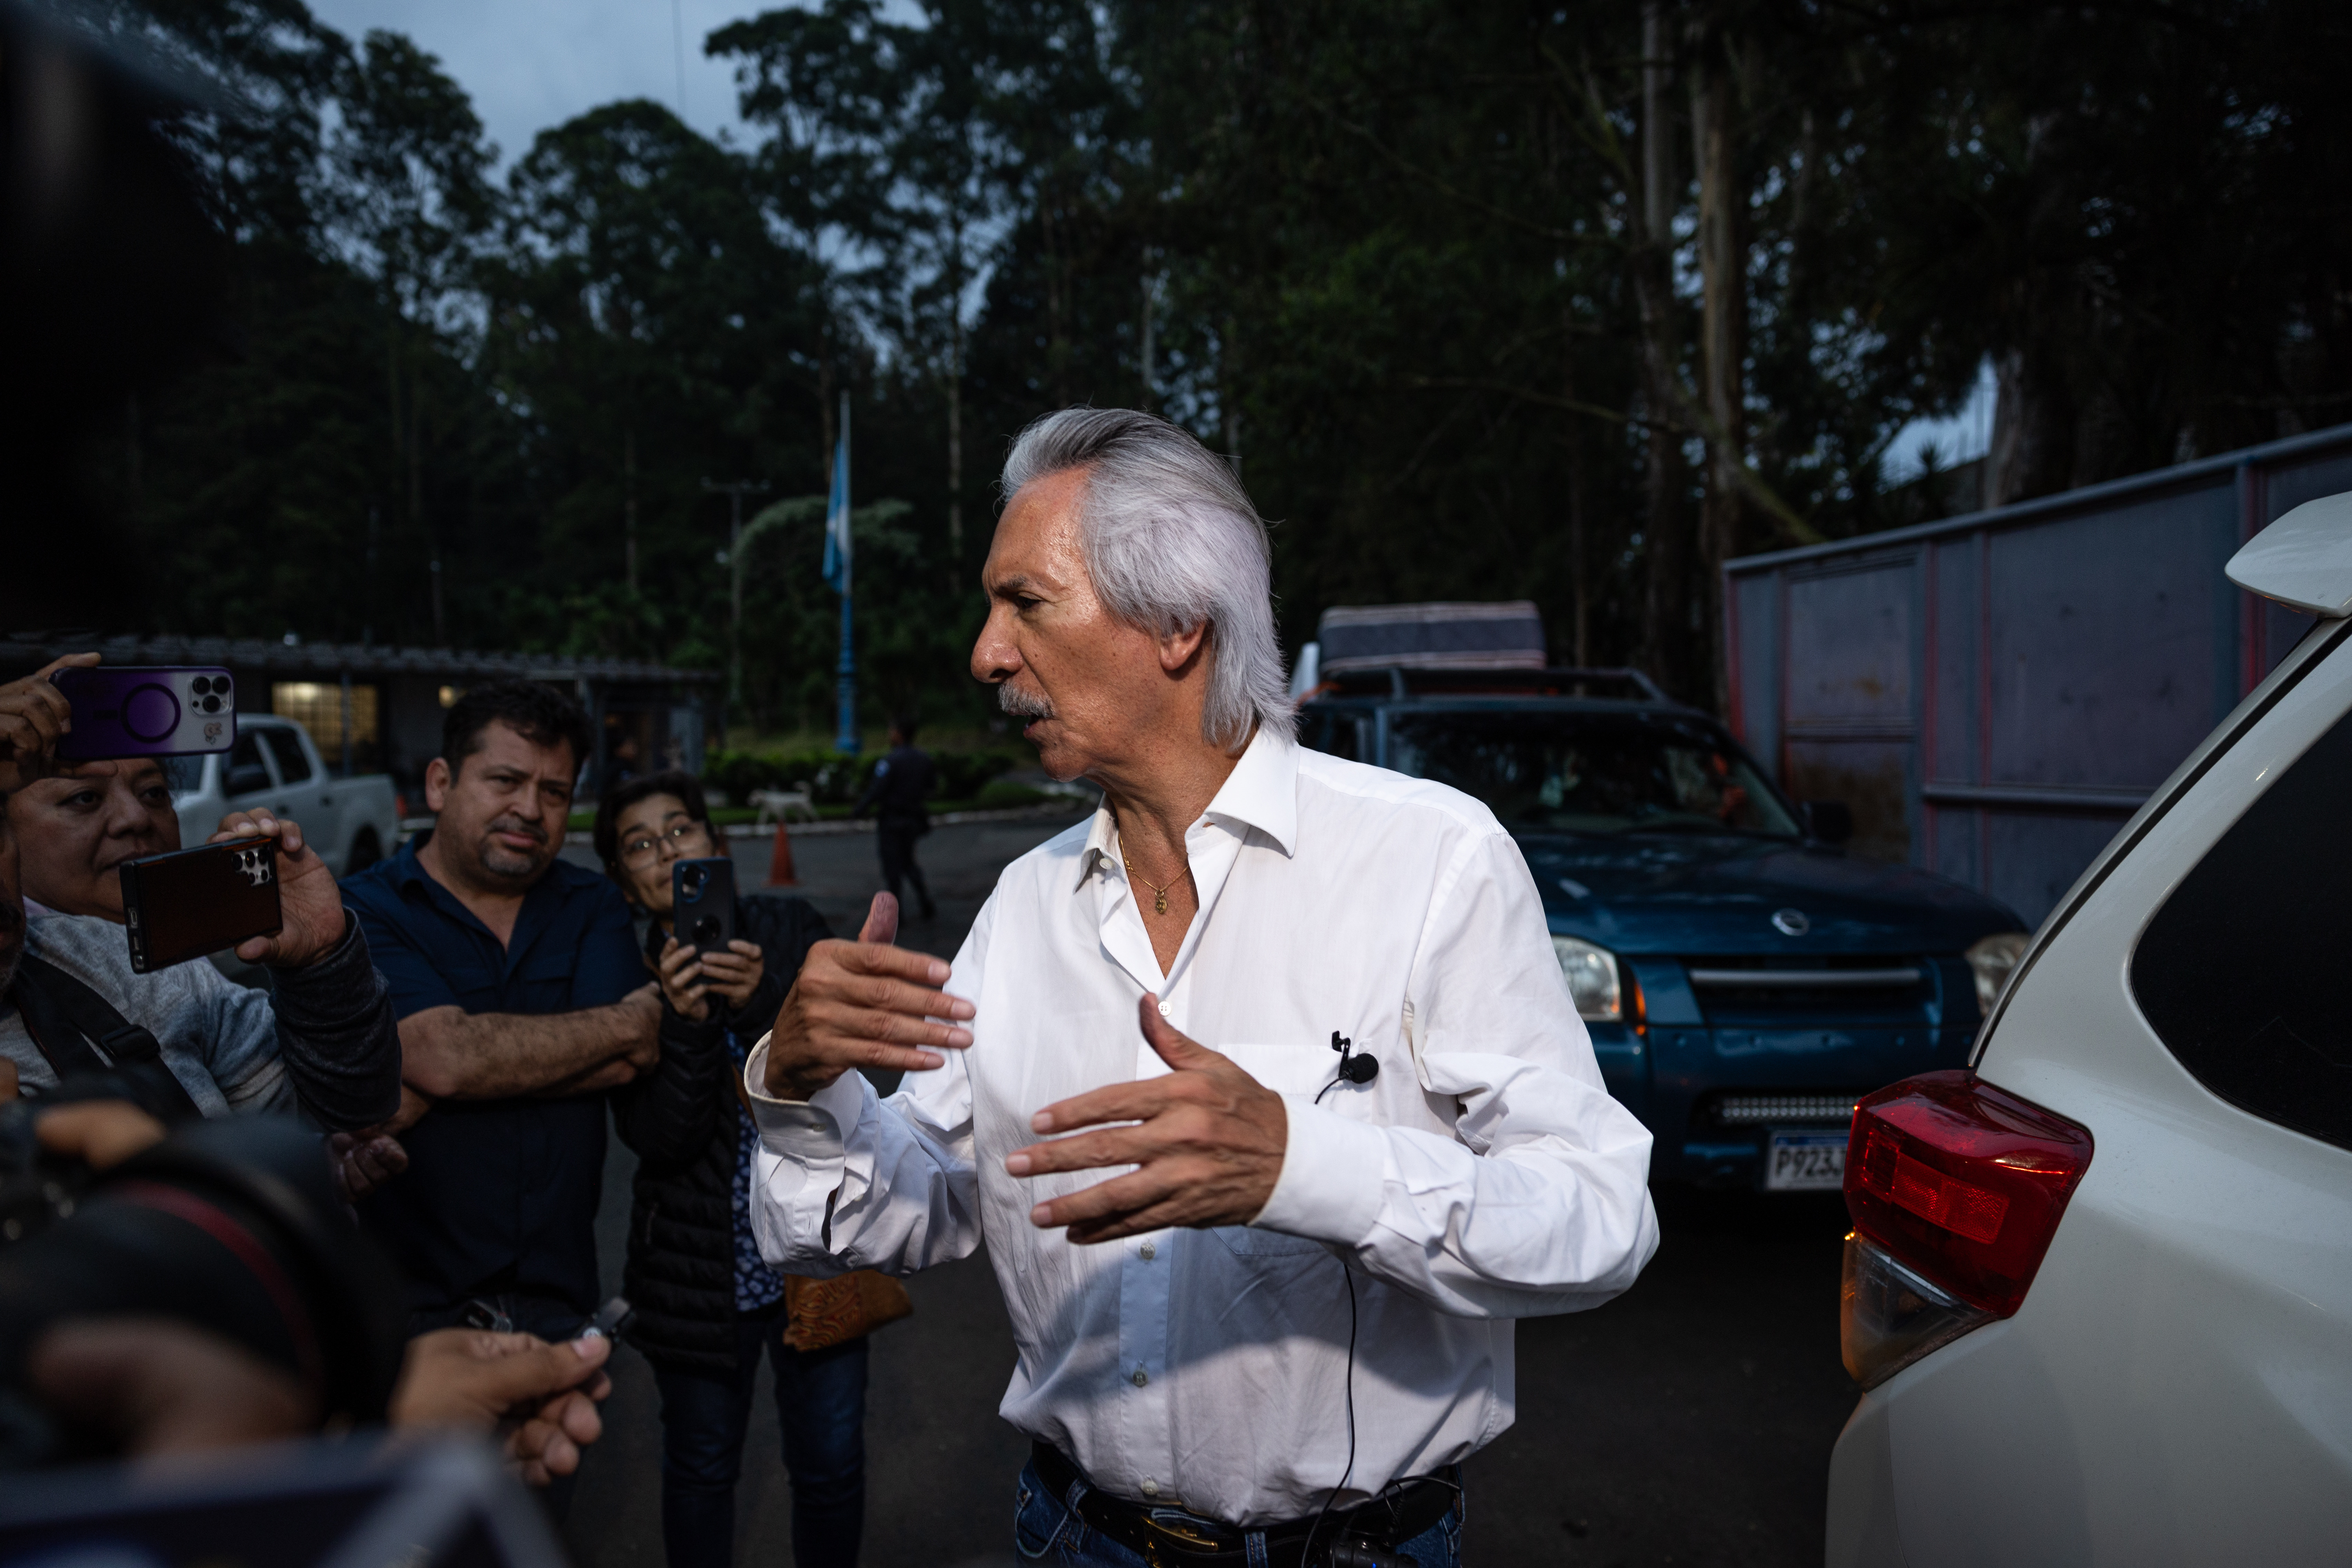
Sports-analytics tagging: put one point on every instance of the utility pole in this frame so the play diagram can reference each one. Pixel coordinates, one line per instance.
(735, 491)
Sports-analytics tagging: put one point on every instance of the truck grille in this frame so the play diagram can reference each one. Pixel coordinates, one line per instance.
(1783, 1109)
(1742, 992)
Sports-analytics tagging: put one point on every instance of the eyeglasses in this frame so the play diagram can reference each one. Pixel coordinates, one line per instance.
(642, 848)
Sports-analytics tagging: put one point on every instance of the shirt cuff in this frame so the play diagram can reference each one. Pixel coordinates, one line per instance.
(1332, 1172)
(807, 1131)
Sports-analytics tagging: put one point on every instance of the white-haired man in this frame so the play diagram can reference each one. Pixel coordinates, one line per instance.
(1285, 1318)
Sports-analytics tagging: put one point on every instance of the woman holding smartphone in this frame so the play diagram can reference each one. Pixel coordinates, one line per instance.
(707, 1308)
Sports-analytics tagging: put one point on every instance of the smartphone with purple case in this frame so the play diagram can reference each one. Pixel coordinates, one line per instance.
(147, 710)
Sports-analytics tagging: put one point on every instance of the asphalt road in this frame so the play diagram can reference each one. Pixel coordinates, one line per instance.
(1689, 1421)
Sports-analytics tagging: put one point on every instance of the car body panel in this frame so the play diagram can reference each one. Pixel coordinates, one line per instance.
(1668, 902)
(341, 818)
(2177, 1386)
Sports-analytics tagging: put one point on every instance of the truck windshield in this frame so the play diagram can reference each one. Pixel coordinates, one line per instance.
(1590, 773)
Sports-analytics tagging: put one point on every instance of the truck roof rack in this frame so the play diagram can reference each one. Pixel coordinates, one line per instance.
(1402, 680)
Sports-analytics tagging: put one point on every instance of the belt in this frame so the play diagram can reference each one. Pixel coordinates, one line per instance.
(1163, 1534)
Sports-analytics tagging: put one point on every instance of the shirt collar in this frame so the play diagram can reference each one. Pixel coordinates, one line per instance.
(1261, 793)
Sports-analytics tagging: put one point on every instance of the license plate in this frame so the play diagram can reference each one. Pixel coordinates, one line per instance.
(1804, 1162)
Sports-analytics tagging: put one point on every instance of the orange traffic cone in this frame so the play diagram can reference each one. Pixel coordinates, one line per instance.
(780, 864)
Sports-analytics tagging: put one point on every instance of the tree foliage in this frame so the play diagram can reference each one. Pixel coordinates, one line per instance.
(1486, 301)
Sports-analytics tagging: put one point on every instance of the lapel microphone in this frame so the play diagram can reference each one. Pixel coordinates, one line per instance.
(1354, 1068)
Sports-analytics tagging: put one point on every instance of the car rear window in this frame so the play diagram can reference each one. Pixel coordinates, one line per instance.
(245, 774)
(2242, 972)
(292, 765)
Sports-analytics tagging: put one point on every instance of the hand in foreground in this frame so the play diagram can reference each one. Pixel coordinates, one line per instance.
(541, 1399)
(1209, 1141)
(100, 1133)
(149, 1385)
(33, 714)
(864, 1004)
(364, 1162)
(308, 899)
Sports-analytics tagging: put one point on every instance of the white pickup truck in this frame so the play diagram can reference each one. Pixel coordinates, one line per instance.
(352, 823)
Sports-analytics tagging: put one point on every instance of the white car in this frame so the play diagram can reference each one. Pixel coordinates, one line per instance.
(352, 823)
(2099, 1291)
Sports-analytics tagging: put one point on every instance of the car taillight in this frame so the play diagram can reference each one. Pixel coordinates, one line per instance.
(1955, 1188)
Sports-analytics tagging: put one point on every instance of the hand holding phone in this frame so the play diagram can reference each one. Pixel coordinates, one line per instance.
(311, 904)
(190, 903)
(33, 714)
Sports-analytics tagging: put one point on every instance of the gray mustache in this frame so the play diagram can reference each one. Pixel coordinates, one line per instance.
(1021, 704)
(512, 825)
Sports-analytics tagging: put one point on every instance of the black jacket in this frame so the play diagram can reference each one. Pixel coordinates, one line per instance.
(681, 1121)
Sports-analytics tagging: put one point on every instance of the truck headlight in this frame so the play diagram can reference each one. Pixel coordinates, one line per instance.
(1592, 973)
(1994, 960)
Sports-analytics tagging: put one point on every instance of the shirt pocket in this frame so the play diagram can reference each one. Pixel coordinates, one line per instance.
(1298, 1071)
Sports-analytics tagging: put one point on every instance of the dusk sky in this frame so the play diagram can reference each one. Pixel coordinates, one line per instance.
(531, 64)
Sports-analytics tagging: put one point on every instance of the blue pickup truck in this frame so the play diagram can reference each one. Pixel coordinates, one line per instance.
(1744, 979)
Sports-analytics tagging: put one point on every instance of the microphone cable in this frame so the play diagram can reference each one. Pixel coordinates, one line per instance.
(1307, 1552)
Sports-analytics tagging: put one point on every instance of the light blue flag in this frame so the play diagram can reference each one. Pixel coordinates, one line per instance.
(836, 514)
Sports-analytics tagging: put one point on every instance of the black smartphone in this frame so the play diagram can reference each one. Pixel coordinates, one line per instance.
(194, 901)
(702, 903)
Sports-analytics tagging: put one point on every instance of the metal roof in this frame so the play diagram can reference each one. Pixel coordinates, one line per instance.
(332, 659)
(2089, 498)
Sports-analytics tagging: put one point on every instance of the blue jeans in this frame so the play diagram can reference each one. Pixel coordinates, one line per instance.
(1044, 1527)
(820, 1406)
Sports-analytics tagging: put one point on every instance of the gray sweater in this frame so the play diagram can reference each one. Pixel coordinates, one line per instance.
(324, 1045)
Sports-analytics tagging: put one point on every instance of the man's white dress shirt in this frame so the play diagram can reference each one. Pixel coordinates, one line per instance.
(1484, 1175)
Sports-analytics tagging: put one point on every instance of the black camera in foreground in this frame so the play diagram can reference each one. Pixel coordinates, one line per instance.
(232, 1226)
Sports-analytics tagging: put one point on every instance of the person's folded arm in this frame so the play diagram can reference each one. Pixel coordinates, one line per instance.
(845, 1179)
(448, 1053)
(1540, 1202)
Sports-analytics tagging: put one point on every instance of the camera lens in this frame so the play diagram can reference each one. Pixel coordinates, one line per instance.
(690, 879)
(706, 932)
(201, 685)
(210, 704)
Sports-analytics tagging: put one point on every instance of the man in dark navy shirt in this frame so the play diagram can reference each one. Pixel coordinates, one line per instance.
(901, 782)
(521, 998)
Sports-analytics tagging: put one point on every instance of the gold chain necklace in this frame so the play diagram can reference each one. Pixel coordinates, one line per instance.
(1159, 899)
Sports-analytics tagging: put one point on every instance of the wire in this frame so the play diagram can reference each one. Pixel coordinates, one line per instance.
(1307, 1554)
(1317, 1100)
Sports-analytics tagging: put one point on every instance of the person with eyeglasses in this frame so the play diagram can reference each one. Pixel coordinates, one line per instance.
(708, 1307)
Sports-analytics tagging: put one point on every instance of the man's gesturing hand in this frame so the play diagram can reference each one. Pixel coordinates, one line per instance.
(864, 1004)
(1209, 1144)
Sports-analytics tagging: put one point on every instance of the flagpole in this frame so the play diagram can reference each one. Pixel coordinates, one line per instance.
(848, 740)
